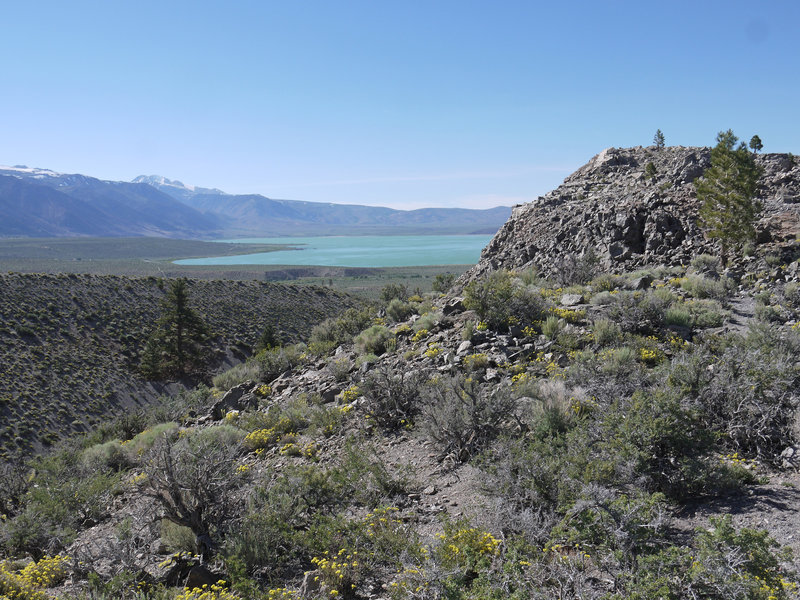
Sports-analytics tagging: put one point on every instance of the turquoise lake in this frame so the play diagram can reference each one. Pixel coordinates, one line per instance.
(359, 251)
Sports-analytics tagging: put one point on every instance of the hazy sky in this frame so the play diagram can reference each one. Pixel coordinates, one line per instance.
(403, 104)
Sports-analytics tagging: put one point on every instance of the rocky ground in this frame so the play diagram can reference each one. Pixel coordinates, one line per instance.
(630, 220)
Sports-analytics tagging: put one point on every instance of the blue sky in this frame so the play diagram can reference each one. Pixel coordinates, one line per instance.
(402, 104)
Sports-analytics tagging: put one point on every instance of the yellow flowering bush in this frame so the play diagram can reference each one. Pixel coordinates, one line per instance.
(466, 547)
(261, 438)
(520, 379)
(282, 594)
(340, 573)
(382, 520)
(29, 582)
(409, 582)
(403, 329)
(216, 591)
(476, 362)
(420, 335)
(350, 394)
(649, 352)
(433, 351)
(570, 316)
(290, 449)
(269, 436)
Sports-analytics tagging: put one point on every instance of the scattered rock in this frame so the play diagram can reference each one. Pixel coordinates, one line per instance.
(236, 398)
(641, 283)
(790, 457)
(572, 299)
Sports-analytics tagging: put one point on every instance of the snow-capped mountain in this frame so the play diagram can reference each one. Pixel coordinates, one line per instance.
(41, 202)
(173, 187)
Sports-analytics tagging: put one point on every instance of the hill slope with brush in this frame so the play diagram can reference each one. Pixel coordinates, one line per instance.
(590, 435)
(71, 343)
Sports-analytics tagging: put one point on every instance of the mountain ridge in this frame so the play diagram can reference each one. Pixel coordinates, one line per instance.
(154, 205)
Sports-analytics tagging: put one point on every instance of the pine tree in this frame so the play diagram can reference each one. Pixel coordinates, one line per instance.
(658, 139)
(755, 144)
(727, 191)
(177, 346)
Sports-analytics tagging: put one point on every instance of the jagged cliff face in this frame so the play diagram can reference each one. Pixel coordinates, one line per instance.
(630, 219)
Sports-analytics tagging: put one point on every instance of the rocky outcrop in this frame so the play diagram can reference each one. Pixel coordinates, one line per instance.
(633, 215)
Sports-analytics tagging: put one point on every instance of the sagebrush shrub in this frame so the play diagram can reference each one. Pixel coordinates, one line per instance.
(392, 398)
(462, 417)
(704, 287)
(501, 300)
(606, 332)
(334, 332)
(398, 310)
(374, 340)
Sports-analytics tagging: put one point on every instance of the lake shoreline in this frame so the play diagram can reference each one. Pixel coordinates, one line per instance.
(355, 251)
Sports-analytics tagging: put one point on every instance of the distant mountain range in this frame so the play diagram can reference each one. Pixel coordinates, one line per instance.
(42, 203)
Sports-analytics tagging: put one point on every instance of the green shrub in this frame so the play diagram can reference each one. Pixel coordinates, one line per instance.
(247, 371)
(704, 287)
(724, 563)
(63, 495)
(572, 268)
(427, 321)
(274, 361)
(666, 444)
(678, 315)
(639, 312)
(622, 360)
(607, 282)
(475, 362)
(195, 481)
(551, 408)
(340, 368)
(366, 359)
(398, 310)
(606, 332)
(142, 442)
(706, 313)
(469, 329)
(394, 291)
(746, 388)
(767, 313)
(288, 417)
(602, 299)
(110, 455)
(552, 327)
(177, 538)
(374, 340)
(529, 276)
(443, 282)
(334, 332)
(791, 294)
(706, 264)
(501, 300)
